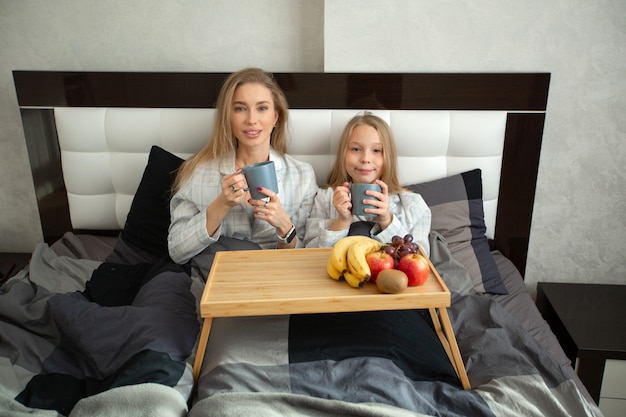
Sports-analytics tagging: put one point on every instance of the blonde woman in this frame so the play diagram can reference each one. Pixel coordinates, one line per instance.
(210, 192)
(367, 154)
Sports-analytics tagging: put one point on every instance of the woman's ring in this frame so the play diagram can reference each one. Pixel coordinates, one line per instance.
(233, 187)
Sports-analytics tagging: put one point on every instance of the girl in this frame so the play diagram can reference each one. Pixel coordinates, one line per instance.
(367, 154)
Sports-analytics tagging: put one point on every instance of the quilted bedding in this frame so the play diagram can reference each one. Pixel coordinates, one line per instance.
(91, 338)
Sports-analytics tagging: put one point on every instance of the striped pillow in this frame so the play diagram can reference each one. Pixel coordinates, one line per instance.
(456, 203)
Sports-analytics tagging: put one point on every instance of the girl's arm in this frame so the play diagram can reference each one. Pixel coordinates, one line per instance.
(318, 226)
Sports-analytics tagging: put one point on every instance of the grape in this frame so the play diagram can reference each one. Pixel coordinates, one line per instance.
(403, 251)
(390, 250)
(401, 246)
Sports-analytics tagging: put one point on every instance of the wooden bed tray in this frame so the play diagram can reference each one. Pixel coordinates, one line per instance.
(239, 285)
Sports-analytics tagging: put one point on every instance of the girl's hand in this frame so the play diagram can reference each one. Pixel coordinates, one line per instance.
(271, 211)
(383, 215)
(343, 206)
(342, 202)
(234, 188)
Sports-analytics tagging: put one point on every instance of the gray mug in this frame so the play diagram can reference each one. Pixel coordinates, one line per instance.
(357, 195)
(262, 174)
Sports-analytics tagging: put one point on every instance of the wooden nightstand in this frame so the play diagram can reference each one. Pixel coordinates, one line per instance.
(11, 264)
(588, 320)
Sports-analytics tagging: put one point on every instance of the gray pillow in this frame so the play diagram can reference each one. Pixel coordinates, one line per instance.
(456, 204)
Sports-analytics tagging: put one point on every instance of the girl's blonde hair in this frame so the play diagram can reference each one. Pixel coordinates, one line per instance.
(222, 142)
(339, 174)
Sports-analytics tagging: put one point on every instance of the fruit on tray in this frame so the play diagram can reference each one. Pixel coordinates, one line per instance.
(416, 267)
(361, 259)
(408, 259)
(348, 259)
(379, 261)
(401, 246)
(338, 261)
(392, 281)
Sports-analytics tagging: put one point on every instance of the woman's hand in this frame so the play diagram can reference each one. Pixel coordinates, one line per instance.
(272, 211)
(383, 215)
(233, 193)
(234, 188)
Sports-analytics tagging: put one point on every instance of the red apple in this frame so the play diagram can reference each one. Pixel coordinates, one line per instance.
(378, 261)
(416, 267)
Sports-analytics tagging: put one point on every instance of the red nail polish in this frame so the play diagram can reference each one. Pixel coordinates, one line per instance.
(259, 188)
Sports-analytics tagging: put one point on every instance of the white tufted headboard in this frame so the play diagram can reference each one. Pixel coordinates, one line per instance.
(444, 124)
(104, 150)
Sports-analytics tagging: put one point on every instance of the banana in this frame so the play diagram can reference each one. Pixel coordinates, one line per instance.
(347, 259)
(333, 272)
(353, 280)
(338, 254)
(357, 263)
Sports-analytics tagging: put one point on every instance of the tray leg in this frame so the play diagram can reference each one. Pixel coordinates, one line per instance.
(442, 338)
(204, 337)
(443, 327)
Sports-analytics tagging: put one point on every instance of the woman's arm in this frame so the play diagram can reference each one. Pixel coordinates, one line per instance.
(187, 233)
(307, 186)
(292, 205)
(198, 209)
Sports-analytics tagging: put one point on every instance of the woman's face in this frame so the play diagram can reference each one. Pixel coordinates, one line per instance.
(364, 156)
(253, 115)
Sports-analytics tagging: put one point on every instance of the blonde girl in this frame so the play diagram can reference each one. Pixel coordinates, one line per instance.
(367, 154)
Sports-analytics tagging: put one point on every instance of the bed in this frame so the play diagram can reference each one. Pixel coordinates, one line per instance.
(102, 323)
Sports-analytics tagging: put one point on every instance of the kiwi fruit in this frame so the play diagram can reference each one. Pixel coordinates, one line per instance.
(392, 281)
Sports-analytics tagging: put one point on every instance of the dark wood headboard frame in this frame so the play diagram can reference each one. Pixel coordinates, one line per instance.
(524, 95)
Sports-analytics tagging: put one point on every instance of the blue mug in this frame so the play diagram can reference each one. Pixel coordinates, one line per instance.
(261, 174)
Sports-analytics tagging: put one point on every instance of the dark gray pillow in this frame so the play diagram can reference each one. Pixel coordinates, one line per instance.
(456, 204)
(148, 219)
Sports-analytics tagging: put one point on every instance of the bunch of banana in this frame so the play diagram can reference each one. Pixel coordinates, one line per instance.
(347, 259)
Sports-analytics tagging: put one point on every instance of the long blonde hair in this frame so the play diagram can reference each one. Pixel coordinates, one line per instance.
(339, 174)
(222, 141)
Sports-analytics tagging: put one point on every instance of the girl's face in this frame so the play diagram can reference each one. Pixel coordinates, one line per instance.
(364, 156)
(253, 115)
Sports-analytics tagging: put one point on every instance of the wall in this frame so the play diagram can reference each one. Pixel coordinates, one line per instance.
(142, 35)
(580, 210)
(579, 219)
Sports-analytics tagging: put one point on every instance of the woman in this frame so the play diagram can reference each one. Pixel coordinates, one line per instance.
(367, 154)
(210, 192)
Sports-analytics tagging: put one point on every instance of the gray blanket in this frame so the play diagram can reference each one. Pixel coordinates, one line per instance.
(263, 364)
(72, 329)
(55, 319)
(511, 375)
